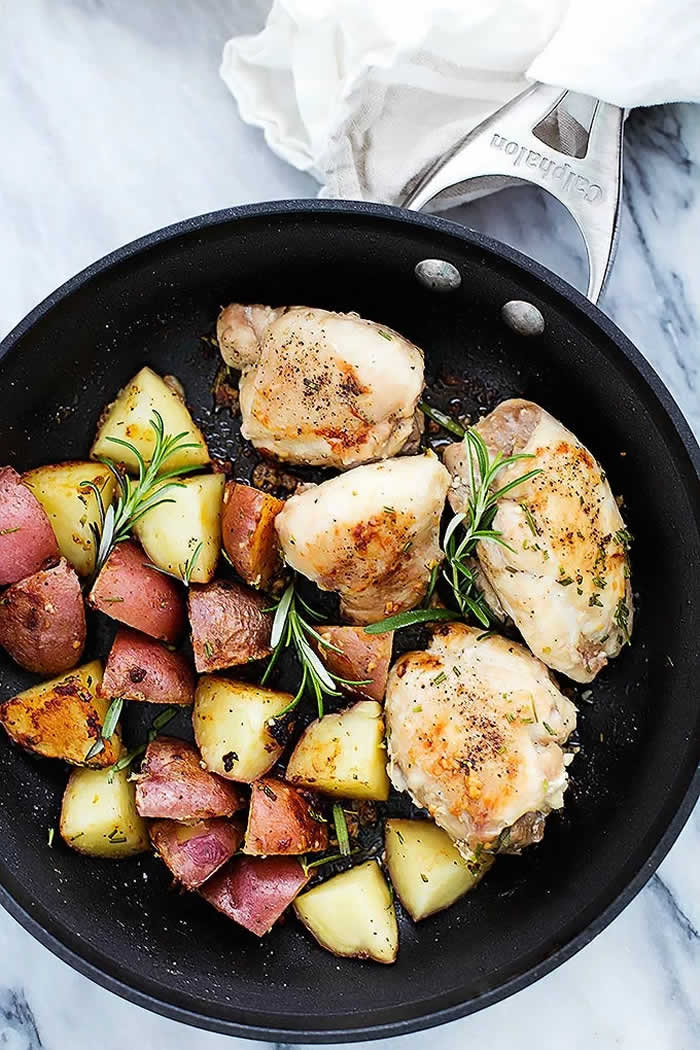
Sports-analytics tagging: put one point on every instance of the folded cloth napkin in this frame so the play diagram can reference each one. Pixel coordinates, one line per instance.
(365, 94)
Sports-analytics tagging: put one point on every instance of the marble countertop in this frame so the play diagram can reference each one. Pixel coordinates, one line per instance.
(115, 123)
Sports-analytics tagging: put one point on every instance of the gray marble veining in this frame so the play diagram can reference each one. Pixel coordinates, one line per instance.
(114, 123)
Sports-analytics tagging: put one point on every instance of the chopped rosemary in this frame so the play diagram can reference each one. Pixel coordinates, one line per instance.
(548, 728)
(383, 334)
(8, 532)
(439, 678)
(52, 835)
(621, 618)
(341, 830)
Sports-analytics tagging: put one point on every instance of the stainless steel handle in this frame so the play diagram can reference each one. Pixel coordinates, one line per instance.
(568, 144)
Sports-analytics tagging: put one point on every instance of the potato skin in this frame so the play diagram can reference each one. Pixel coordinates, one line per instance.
(255, 891)
(173, 785)
(27, 541)
(194, 852)
(62, 718)
(281, 821)
(140, 668)
(42, 620)
(248, 533)
(365, 657)
(228, 624)
(128, 591)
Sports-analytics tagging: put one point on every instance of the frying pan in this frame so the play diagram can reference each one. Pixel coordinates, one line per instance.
(634, 782)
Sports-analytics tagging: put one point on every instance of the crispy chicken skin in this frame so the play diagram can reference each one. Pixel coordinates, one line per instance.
(371, 534)
(474, 734)
(565, 580)
(322, 388)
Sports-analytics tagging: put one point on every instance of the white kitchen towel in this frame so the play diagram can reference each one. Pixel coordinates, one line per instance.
(364, 94)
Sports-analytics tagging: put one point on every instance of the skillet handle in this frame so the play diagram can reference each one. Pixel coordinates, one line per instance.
(568, 144)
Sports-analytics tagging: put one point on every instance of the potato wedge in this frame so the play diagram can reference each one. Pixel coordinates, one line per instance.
(140, 668)
(255, 891)
(27, 541)
(42, 620)
(229, 626)
(72, 509)
(353, 914)
(128, 419)
(248, 533)
(231, 727)
(426, 868)
(128, 591)
(194, 852)
(343, 754)
(172, 784)
(98, 815)
(186, 529)
(282, 819)
(364, 658)
(63, 718)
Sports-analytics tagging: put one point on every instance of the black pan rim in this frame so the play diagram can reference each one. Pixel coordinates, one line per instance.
(137, 991)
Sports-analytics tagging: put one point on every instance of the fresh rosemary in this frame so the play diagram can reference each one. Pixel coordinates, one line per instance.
(293, 627)
(133, 500)
(158, 723)
(184, 573)
(341, 830)
(110, 724)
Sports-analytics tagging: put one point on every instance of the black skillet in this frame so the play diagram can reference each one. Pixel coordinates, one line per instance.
(635, 781)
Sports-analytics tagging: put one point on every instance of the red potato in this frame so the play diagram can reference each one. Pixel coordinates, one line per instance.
(282, 819)
(255, 891)
(248, 533)
(229, 626)
(173, 785)
(27, 541)
(128, 591)
(42, 620)
(139, 668)
(194, 852)
(364, 658)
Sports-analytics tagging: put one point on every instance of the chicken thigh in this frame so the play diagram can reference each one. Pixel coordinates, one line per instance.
(322, 388)
(474, 732)
(565, 579)
(370, 534)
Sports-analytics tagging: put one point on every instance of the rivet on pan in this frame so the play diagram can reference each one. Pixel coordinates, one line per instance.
(522, 317)
(438, 275)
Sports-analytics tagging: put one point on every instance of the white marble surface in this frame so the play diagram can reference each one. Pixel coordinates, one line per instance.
(114, 122)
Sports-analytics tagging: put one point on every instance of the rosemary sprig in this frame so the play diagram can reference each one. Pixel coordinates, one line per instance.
(158, 723)
(291, 627)
(133, 500)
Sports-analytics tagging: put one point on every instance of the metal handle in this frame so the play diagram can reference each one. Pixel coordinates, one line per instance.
(568, 144)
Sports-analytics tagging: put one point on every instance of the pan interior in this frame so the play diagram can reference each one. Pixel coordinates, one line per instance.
(639, 735)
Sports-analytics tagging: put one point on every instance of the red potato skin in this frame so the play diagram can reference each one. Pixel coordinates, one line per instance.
(132, 593)
(27, 541)
(364, 656)
(248, 533)
(228, 624)
(139, 668)
(42, 620)
(280, 821)
(255, 891)
(172, 785)
(194, 853)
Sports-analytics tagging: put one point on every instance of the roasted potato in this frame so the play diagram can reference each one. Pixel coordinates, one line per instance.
(71, 507)
(427, 870)
(173, 785)
(27, 541)
(128, 419)
(343, 754)
(255, 891)
(282, 819)
(248, 533)
(139, 668)
(187, 529)
(42, 620)
(194, 852)
(98, 815)
(364, 658)
(353, 914)
(231, 727)
(63, 718)
(229, 626)
(128, 591)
